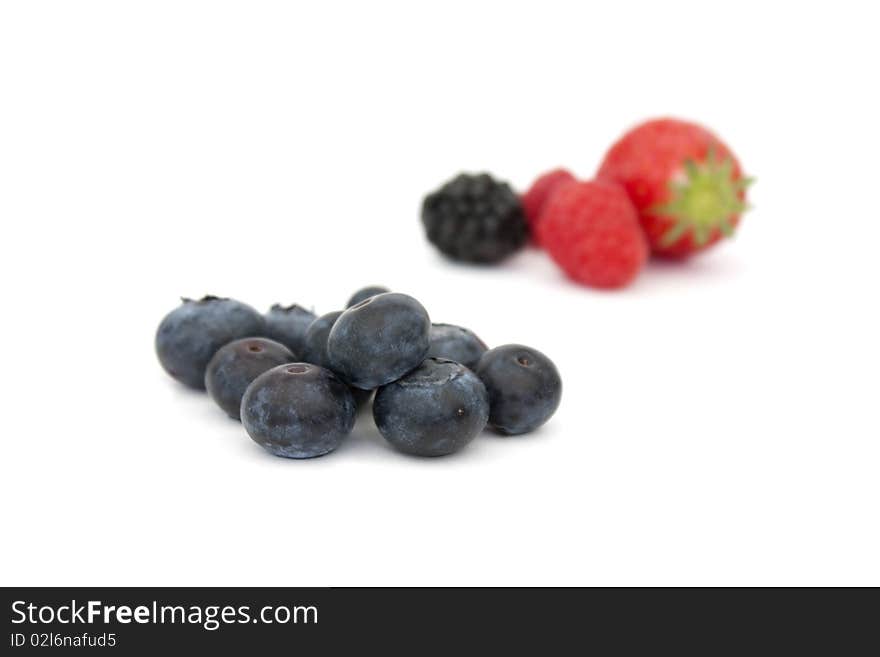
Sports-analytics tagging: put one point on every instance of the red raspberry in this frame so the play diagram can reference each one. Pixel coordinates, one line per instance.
(534, 200)
(591, 229)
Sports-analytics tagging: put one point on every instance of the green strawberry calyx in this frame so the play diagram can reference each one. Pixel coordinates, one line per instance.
(708, 197)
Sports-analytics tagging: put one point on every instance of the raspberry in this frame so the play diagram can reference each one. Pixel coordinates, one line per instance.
(539, 193)
(591, 229)
(474, 218)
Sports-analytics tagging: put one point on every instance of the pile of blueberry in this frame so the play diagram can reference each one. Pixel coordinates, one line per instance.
(296, 380)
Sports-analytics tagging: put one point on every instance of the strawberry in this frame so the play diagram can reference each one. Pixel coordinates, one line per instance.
(591, 229)
(686, 184)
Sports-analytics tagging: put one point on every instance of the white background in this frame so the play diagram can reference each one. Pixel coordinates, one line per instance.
(719, 422)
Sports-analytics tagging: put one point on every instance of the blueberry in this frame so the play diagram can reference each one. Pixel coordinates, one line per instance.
(288, 325)
(315, 350)
(361, 397)
(365, 293)
(523, 385)
(436, 409)
(456, 343)
(237, 364)
(192, 333)
(379, 340)
(298, 411)
(315, 341)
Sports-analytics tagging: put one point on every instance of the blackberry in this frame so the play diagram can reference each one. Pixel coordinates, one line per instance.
(474, 218)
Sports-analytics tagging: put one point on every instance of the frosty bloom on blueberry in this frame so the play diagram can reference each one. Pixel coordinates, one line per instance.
(523, 385)
(379, 340)
(193, 332)
(237, 364)
(288, 325)
(456, 343)
(436, 409)
(365, 293)
(436, 385)
(315, 341)
(298, 411)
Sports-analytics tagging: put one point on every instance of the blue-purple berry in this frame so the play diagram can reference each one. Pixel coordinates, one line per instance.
(298, 411)
(456, 343)
(315, 340)
(365, 293)
(235, 366)
(524, 387)
(436, 409)
(190, 335)
(288, 325)
(379, 340)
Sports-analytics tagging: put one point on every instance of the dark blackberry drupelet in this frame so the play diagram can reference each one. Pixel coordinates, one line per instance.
(474, 218)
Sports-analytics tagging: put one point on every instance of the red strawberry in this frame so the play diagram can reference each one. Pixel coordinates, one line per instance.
(591, 230)
(534, 200)
(686, 184)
